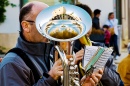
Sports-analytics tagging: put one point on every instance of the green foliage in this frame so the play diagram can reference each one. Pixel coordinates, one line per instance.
(1, 50)
(3, 4)
(67, 1)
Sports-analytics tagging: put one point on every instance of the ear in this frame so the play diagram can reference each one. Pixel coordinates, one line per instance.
(25, 26)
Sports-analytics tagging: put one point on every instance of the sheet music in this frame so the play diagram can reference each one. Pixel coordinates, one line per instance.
(103, 59)
(90, 51)
(88, 54)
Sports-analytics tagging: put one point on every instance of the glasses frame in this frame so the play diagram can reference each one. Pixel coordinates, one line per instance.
(30, 21)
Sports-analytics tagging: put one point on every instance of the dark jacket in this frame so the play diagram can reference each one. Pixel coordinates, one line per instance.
(14, 71)
(96, 23)
(110, 76)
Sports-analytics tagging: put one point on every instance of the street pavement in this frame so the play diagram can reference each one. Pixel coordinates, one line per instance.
(124, 53)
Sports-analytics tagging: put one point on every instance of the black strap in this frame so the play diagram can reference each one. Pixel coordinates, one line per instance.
(27, 61)
(47, 55)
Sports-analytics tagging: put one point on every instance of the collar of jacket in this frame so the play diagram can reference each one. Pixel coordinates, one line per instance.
(32, 48)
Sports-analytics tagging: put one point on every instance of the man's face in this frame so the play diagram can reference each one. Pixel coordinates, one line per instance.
(98, 15)
(37, 36)
(31, 31)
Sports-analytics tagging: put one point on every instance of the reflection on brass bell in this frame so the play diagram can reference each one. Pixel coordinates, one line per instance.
(63, 34)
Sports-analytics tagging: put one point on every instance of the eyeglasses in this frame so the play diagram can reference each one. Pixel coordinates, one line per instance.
(30, 21)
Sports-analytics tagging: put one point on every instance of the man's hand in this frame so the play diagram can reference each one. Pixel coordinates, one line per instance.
(79, 56)
(93, 79)
(56, 70)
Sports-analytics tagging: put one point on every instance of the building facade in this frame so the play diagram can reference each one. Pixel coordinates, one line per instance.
(10, 28)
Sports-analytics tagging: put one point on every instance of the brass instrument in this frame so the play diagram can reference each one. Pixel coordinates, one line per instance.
(70, 72)
(64, 28)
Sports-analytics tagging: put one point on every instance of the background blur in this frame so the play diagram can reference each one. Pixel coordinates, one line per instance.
(9, 29)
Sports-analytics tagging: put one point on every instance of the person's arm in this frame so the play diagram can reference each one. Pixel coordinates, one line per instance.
(110, 75)
(12, 74)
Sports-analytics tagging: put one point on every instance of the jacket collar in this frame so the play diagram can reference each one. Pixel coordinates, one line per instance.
(32, 48)
(96, 18)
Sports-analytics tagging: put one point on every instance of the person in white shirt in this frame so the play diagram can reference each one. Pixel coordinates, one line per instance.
(112, 23)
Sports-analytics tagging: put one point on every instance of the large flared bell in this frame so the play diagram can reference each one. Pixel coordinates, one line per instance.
(63, 22)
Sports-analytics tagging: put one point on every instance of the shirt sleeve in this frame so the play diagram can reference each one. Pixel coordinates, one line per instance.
(12, 74)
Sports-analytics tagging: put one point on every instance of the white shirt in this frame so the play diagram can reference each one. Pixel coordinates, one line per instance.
(113, 24)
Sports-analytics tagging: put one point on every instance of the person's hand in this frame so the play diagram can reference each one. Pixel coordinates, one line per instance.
(93, 79)
(57, 70)
(79, 55)
(0, 59)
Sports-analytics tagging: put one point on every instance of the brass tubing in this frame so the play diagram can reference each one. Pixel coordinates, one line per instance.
(65, 66)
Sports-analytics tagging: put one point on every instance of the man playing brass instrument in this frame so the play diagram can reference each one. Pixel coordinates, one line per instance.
(15, 72)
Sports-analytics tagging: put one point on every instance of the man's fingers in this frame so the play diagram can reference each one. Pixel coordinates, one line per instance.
(79, 58)
(101, 71)
(81, 51)
(92, 82)
(60, 67)
(99, 74)
(58, 62)
(95, 79)
(83, 79)
(60, 73)
(69, 56)
(79, 55)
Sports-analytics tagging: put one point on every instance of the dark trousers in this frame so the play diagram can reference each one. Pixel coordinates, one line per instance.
(113, 43)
